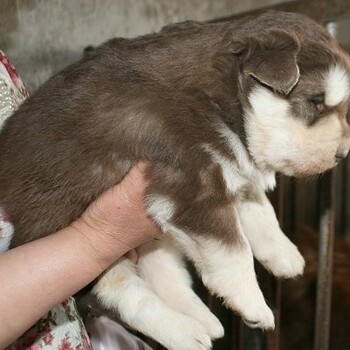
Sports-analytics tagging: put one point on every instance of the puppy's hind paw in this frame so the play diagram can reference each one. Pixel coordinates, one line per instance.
(189, 334)
(210, 322)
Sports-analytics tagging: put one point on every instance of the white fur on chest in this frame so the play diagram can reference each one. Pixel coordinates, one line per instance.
(240, 171)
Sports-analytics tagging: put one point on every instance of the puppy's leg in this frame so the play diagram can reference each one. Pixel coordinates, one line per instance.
(121, 289)
(226, 267)
(162, 265)
(269, 244)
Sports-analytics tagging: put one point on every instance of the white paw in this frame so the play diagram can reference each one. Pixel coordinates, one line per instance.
(254, 310)
(200, 312)
(258, 316)
(284, 261)
(213, 326)
(187, 333)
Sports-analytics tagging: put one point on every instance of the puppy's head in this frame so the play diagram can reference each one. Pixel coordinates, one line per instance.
(297, 84)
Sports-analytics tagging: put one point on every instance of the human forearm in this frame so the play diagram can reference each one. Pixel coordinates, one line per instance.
(29, 287)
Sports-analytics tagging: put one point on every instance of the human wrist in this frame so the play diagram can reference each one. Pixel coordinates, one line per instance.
(102, 248)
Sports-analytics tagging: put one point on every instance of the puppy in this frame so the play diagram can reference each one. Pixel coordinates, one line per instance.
(216, 110)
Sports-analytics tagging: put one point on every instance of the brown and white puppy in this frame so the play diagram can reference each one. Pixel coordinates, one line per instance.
(216, 110)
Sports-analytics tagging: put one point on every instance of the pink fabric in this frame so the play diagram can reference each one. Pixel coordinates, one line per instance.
(106, 334)
(12, 90)
(14, 77)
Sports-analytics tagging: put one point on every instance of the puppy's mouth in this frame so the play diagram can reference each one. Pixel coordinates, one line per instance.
(340, 156)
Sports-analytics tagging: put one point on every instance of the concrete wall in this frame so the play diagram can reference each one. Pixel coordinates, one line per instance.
(43, 36)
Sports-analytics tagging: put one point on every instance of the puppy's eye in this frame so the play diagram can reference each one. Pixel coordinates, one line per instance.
(318, 102)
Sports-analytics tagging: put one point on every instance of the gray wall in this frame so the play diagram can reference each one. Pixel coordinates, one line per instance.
(43, 36)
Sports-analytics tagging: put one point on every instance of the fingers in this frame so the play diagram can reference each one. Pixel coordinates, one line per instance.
(135, 183)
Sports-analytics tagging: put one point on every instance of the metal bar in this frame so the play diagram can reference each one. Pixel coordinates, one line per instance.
(345, 200)
(239, 332)
(273, 338)
(325, 262)
(326, 247)
(346, 212)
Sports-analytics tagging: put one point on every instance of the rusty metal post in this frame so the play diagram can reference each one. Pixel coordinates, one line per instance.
(239, 331)
(325, 262)
(346, 212)
(326, 246)
(272, 341)
(273, 337)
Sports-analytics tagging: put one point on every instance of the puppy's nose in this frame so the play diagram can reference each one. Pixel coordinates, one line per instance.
(341, 155)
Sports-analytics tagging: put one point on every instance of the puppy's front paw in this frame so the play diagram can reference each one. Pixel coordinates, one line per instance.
(258, 316)
(249, 302)
(285, 261)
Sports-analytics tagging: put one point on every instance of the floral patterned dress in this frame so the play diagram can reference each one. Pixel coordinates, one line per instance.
(61, 328)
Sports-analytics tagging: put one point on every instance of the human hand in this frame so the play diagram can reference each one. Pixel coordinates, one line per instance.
(116, 222)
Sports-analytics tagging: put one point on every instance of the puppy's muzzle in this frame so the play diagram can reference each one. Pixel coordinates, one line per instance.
(340, 155)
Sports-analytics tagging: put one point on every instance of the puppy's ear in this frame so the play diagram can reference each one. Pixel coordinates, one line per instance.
(271, 58)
